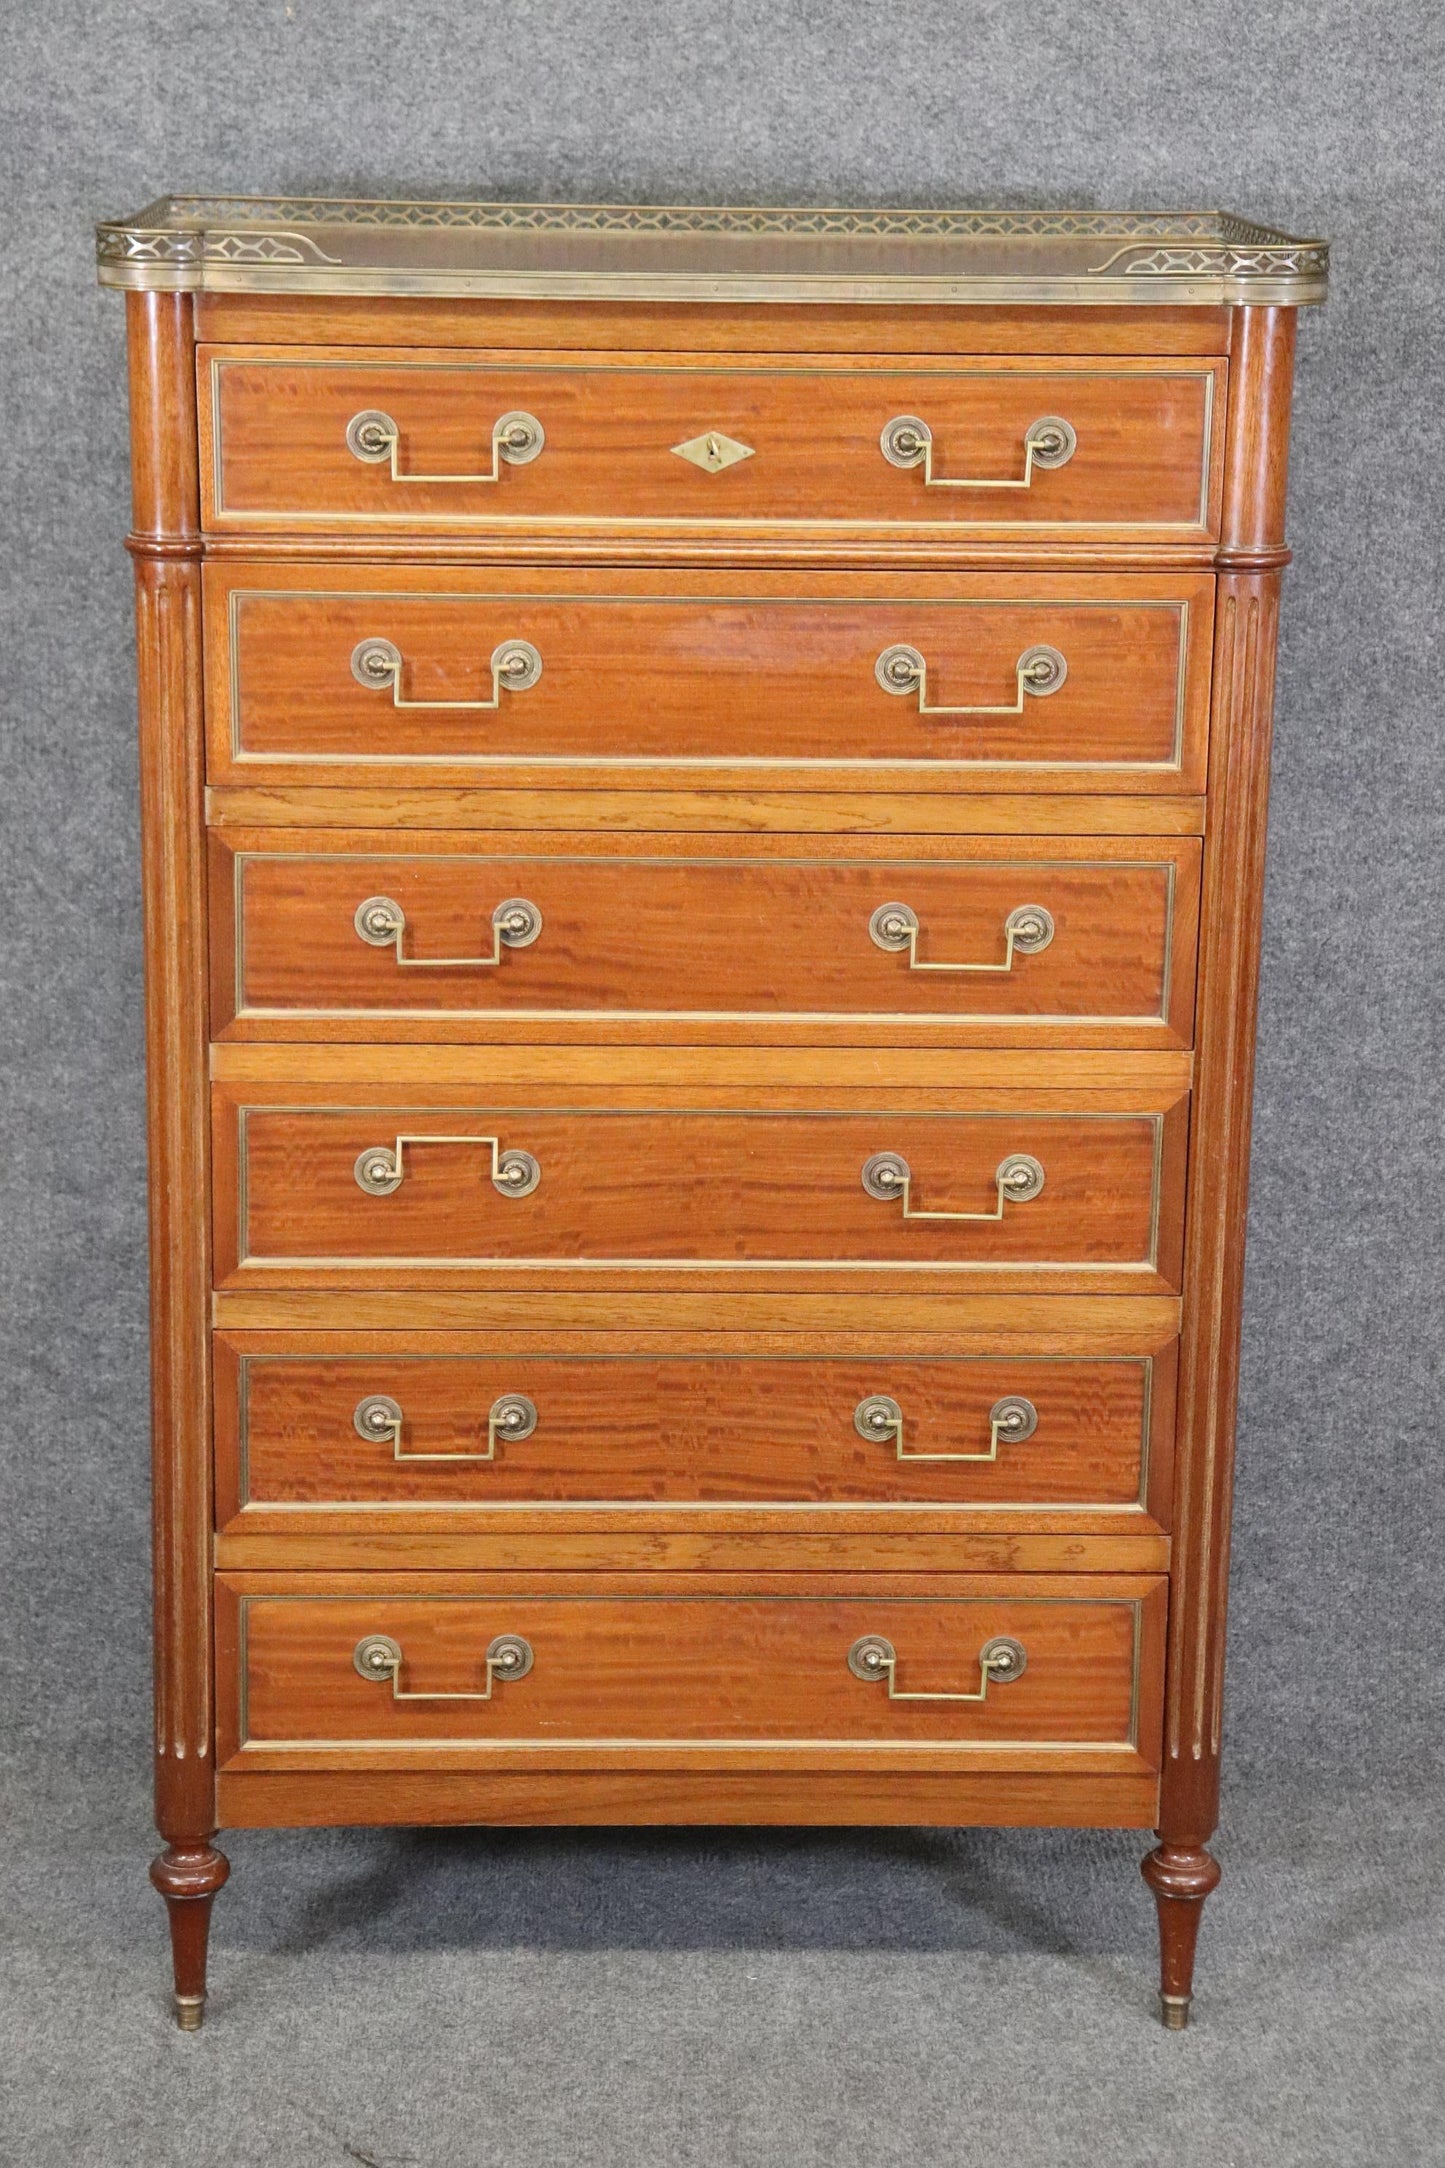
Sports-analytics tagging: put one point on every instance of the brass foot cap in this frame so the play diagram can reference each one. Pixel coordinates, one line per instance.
(190, 2009)
(1174, 2009)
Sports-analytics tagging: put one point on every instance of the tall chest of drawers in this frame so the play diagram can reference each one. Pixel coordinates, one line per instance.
(704, 784)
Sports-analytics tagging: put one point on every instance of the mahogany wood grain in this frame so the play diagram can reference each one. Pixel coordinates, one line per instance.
(755, 941)
(332, 1541)
(165, 545)
(922, 547)
(1256, 478)
(1143, 1078)
(690, 1427)
(701, 328)
(1181, 1877)
(275, 453)
(701, 812)
(727, 681)
(188, 1875)
(609, 1798)
(1182, 1872)
(1071, 1324)
(692, 1553)
(1261, 368)
(656, 1672)
(731, 1191)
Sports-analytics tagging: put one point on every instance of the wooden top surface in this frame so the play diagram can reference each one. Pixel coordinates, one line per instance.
(575, 251)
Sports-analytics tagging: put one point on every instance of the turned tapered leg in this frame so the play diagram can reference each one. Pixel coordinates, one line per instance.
(1181, 1877)
(188, 1875)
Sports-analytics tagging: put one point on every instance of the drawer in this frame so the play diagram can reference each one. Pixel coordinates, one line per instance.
(1028, 1670)
(324, 1186)
(994, 942)
(605, 445)
(1014, 682)
(359, 1431)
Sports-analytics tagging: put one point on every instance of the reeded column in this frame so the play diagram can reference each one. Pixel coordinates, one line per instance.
(1250, 560)
(166, 546)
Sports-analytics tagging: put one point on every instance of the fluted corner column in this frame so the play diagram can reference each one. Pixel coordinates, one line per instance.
(165, 544)
(1250, 561)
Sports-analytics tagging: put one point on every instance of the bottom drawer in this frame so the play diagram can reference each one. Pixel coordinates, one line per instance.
(1023, 1671)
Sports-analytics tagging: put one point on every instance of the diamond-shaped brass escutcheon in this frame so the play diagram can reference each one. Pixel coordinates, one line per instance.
(714, 451)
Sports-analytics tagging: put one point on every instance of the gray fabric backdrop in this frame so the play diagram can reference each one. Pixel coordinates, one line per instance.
(1319, 116)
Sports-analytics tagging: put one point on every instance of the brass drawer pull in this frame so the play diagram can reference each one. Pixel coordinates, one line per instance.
(511, 1416)
(1016, 1180)
(516, 667)
(872, 1656)
(908, 442)
(1010, 1421)
(515, 924)
(894, 926)
(379, 1169)
(1039, 671)
(378, 1657)
(516, 440)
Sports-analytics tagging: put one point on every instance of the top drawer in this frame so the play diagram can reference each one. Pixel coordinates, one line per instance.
(606, 446)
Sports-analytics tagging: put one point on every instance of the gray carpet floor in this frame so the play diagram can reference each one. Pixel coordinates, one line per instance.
(706, 1999)
(703, 1999)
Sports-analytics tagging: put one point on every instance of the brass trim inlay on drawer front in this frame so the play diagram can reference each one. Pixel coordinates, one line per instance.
(1060, 366)
(1014, 935)
(900, 604)
(246, 1363)
(768, 1743)
(246, 1255)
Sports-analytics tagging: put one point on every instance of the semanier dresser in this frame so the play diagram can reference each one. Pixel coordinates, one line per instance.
(704, 786)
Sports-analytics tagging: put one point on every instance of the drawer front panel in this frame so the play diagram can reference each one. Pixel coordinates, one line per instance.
(1051, 680)
(600, 1671)
(1006, 940)
(691, 444)
(309, 1193)
(513, 1430)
